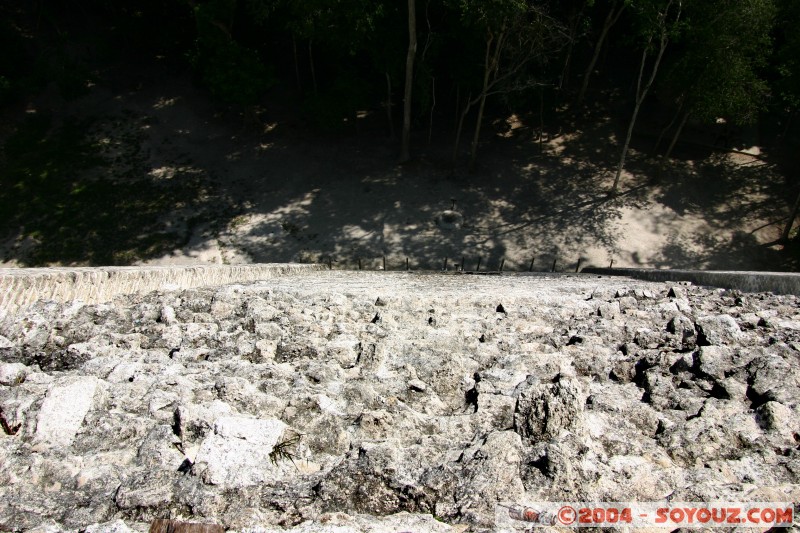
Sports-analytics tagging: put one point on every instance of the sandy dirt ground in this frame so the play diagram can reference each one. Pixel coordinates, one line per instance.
(283, 193)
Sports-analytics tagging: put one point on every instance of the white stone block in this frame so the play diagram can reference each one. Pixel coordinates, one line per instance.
(67, 402)
(237, 453)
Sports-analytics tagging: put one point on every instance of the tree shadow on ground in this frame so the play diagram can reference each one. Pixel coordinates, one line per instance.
(735, 196)
(159, 171)
(739, 197)
(516, 207)
(735, 253)
(76, 192)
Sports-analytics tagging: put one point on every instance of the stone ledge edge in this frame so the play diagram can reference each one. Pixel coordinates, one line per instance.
(21, 287)
(746, 281)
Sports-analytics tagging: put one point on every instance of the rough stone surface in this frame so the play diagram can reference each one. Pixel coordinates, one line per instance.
(237, 452)
(62, 412)
(356, 401)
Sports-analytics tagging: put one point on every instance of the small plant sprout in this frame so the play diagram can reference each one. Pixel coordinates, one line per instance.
(281, 450)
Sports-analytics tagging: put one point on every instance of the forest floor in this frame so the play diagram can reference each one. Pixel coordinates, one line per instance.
(150, 171)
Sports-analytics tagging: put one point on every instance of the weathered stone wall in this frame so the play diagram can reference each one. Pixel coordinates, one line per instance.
(775, 282)
(20, 287)
(354, 401)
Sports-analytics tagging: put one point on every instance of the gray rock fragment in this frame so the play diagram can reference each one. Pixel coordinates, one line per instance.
(345, 350)
(161, 449)
(677, 291)
(715, 361)
(683, 329)
(776, 417)
(717, 330)
(772, 378)
(546, 410)
(117, 526)
(194, 421)
(338, 522)
(628, 302)
(168, 315)
(288, 351)
(6, 347)
(12, 373)
(417, 385)
(146, 489)
(609, 310)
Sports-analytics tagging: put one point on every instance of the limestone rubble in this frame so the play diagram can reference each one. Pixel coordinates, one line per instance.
(393, 402)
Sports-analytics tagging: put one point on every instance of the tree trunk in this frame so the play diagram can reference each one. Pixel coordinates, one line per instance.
(459, 129)
(473, 154)
(641, 92)
(296, 64)
(611, 19)
(677, 135)
(621, 165)
(562, 83)
(491, 63)
(389, 105)
(412, 50)
(663, 159)
(668, 127)
(232, 16)
(311, 62)
(640, 95)
(573, 35)
(433, 106)
(458, 106)
(787, 229)
(541, 120)
(788, 125)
